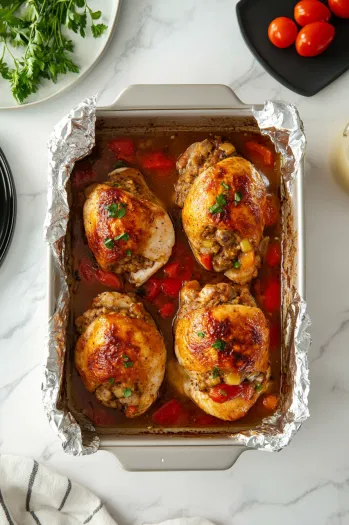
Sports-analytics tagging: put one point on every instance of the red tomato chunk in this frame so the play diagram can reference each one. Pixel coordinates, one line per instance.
(124, 148)
(152, 288)
(157, 160)
(222, 393)
(167, 310)
(108, 279)
(273, 256)
(172, 413)
(171, 286)
(260, 151)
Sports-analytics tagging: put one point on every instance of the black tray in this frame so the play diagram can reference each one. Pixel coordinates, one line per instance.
(306, 76)
(7, 206)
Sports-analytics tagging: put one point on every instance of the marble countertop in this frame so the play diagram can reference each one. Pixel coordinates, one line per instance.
(188, 41)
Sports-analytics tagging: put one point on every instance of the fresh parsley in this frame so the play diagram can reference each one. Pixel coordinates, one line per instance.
(33, 42)
(219, 345)
(116, 211)
(201, 334)
(237, 197)
(109, 243)
(122, 237)
(216, 372)
(218, 207)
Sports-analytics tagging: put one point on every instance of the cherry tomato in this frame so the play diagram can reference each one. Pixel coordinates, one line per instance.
(171, 286)
(152, 288)
(339, 7)
(82, 177)
(206, 261)
(171, 413)
(314, 38)
(131, 410)
(282, 32)
(271, 210)
(270, 401)
(123, 147)
(308, 11)
(108, 279)
(261, 152)
(86, 270)
(157, 160)
(172, 269)
(273, 256)
(272, 296)
(222, 393)
(167, 310)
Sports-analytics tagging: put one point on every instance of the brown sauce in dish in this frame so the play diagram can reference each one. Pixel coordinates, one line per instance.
(95, 168)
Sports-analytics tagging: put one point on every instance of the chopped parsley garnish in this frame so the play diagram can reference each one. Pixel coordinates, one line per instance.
(201, 334)
(221, 202)
(216, 372)
(237, 264)
(127, 392)
(237, 197)
(111, 380)
(128, 253)
(219, 345)
(122, 237)
(116, 211)
(258, 388)
(109, 243)
(127, 361)
(225, 186)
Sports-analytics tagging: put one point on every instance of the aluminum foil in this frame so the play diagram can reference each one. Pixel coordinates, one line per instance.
(72, 139)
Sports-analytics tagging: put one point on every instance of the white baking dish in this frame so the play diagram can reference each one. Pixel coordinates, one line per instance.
(184, 105)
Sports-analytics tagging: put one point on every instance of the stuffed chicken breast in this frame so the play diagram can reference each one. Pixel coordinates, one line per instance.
(120, 353)
(223, 199)
(222, 343)
(127, 228)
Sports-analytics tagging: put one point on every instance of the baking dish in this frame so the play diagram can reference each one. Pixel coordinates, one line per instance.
(204, 107)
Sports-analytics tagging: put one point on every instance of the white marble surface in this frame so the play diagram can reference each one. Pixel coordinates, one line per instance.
(188, 41)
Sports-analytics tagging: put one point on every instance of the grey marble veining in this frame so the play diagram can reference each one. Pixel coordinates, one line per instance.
(188, 41)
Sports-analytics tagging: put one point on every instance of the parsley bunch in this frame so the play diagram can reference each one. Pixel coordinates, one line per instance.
(33, 45)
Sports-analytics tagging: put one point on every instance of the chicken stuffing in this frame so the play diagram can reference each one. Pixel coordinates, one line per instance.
(222, 344)
(223, 199)
(120, 353)
(126, 226)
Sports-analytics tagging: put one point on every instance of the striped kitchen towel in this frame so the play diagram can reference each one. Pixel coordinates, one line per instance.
(30, 493)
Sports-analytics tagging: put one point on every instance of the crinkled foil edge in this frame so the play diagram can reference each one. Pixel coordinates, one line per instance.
(72, 139)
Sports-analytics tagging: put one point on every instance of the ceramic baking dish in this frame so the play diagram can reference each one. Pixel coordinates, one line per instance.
(176, 107)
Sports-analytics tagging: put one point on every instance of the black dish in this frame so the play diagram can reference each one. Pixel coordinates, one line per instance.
(7, 206)
(306, 76)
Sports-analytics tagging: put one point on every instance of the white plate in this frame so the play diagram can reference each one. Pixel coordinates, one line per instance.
(87, 52)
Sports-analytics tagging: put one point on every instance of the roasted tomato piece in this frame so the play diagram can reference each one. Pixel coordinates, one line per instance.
(152, 288)
(108, 279)
(167, 310)
(171, 286)
(123, 147)
(171, 413)
(272, 296)
(271, 401)
(222, 393)
(271, 210)
(86, 270)
(273, 256)
(206, 261)
(261, 152)
(82, 177)
(157, 160)
(172, 269)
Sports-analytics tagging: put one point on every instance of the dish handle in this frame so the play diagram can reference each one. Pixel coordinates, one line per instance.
(168, 458)
(176, 96)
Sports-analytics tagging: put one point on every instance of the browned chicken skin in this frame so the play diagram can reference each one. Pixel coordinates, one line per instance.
(222, 338)
(127, 228)
(120, 354)
(223, 199)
